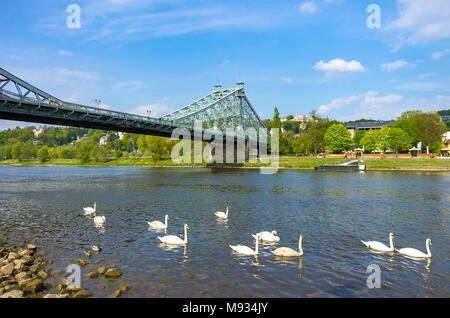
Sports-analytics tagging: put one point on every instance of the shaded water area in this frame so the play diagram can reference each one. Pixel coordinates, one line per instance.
(333, 211)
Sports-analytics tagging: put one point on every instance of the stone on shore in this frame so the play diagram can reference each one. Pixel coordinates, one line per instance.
(32, 286)
(83, 293)
(13, 294)
(56, 296)
(7, 270)
(55, 273)
(113, 273)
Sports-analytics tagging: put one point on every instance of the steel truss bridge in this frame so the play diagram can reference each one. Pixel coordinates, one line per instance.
(222, 109)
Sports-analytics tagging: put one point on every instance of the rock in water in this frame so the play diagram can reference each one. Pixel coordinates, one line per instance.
(115, 294)
(101, 270)
(113, 273)
(83, 293)
(125, 287)
(13, 294)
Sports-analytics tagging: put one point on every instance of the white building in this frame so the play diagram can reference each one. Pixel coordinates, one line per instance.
(103, 140)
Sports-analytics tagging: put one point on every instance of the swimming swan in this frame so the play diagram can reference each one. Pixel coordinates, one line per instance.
(175, 240)
(158, 224)
(222, 215)
(267, 236)
(245, 249)
(378, 246)
(100, 220)
(412, 252)
(289, 252)
(90, 210)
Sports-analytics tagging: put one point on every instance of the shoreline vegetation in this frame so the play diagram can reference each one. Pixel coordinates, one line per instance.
(285, 162)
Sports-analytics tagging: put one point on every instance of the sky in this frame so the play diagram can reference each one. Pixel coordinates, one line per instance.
(299, 56)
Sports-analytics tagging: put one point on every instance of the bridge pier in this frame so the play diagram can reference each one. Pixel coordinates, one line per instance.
(234, 155)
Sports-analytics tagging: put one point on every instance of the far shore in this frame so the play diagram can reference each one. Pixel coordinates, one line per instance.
(285, 162)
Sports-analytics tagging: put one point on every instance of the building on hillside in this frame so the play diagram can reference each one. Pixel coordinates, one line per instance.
(37, 132)
(301, 118)
(354, 127)
(120, 134)
(103, 140)
(284, 119)
(445, 151)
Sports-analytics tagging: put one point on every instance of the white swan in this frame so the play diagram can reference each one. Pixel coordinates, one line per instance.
(175, 240)
(245, 249)
(412, 252)
(96, 248)
(223, 215)
(289, 252)
(90, 210)
(158, 224)
(99, 220)
(267, 236)
(378, 246)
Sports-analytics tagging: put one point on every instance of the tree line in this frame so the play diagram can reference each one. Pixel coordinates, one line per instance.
(323, 134)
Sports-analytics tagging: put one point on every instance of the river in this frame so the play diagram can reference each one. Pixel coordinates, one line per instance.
(333, 211)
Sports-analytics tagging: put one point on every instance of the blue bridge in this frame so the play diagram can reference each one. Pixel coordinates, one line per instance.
(222, 109)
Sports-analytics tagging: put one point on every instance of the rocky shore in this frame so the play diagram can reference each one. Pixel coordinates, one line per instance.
(23, 274)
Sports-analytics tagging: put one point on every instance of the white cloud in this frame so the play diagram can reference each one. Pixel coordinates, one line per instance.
(424, 87)
(368, 101)
(156, 110)
(438, 55)
(394, 66)
(336, 104)
(286, 80)
(227, 61)
(65, 53)
(308, 7)
(339, 66)
(372, 105)
(421, 21)
(427, 75)
(381, 100)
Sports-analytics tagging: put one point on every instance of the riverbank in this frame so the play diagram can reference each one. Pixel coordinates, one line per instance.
(286, 162)
(24, 273)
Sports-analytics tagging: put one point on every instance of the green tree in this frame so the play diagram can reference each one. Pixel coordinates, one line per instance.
(158, 147)
(337, 138)
(395, 139)
(43, 154)
(16, 151)
(371, 140)
(99, 153)
(83, 151)
(357, 138)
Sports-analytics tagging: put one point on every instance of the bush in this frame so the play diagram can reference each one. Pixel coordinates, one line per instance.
(43, 154)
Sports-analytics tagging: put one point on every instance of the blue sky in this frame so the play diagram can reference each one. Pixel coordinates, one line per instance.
(302, 55)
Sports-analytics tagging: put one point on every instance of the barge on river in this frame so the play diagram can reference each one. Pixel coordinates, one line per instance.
(353, 165)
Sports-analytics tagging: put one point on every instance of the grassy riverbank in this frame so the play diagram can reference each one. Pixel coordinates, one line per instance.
(288, 162)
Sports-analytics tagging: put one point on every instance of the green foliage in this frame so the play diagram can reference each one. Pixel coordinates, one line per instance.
(43, 154)
(337, 138)
(357, 138)
(394, 139)
(158, 147)
(371, 140)
(118, 154)
(100, 154)
(422, 127)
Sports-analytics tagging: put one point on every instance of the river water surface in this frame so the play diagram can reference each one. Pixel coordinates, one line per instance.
(333, 211)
